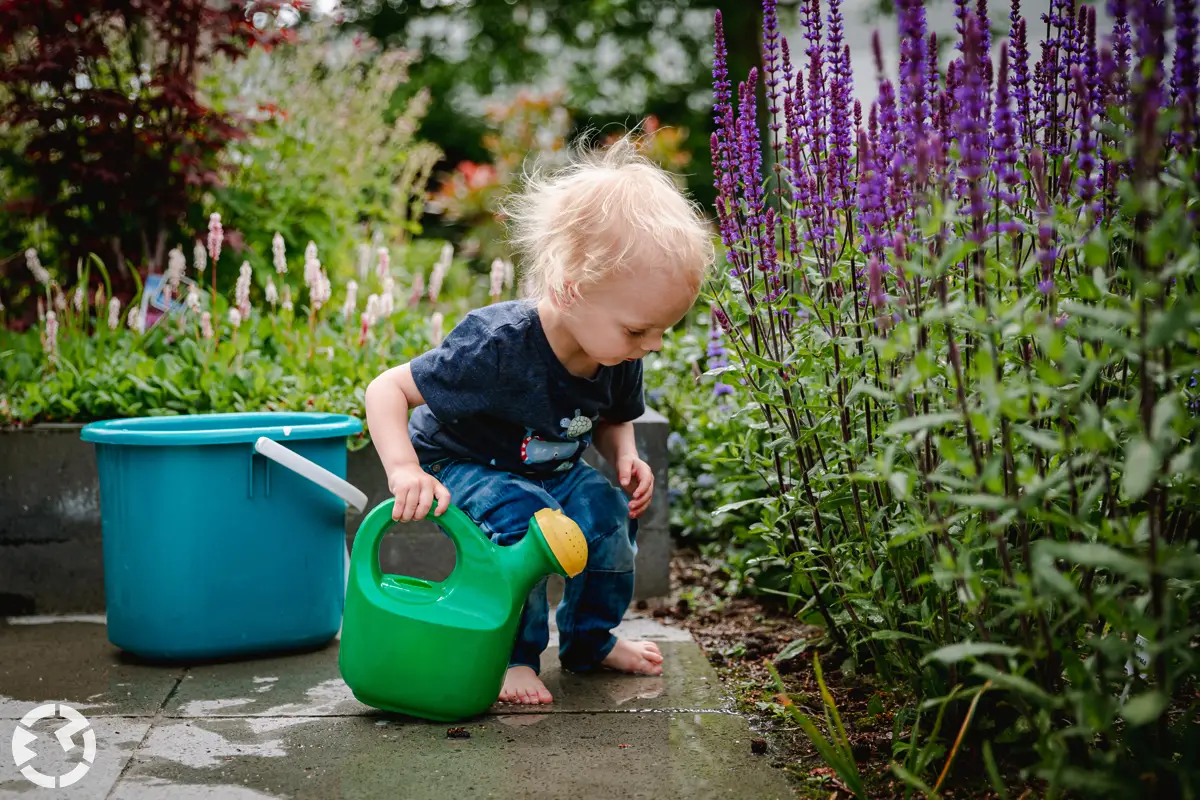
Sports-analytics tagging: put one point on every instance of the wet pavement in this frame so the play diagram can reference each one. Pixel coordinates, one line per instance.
(288, 727)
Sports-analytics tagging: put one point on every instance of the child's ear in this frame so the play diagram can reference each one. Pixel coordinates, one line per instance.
(569, 295)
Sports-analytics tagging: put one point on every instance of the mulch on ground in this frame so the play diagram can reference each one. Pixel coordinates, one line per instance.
(740, 635)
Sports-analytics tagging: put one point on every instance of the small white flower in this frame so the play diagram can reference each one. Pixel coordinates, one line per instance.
(439, 271)
(235, 318)
(60, 300)
(99, 301)
(364, 260)
(384, 266)
(387, 300)
(216, 235)
(497, 288)
(241, 292)
(176, 266)
(286, 300)
(206, 328)
(351, 303)
(199, 257)
(114, 314)
(372, 312)
(435, 323)
(40, 274)
(135, 320)
(50, 340)
(272, 292)
(193, 299)
(277, 249)
(418, 289)
(78, 298)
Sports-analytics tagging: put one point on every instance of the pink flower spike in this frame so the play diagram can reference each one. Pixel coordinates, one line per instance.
(216, 235)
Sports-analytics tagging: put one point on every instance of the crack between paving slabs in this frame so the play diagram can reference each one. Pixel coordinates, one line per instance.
(158, 715)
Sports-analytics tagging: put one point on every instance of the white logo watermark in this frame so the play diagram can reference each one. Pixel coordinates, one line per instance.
(76, 723)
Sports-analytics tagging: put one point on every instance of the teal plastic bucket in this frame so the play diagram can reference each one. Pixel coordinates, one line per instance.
(212, 549)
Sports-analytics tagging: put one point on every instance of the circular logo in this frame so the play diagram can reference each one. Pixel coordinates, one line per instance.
(75, 723)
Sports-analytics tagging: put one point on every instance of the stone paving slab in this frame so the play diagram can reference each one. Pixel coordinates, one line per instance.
(116, 739)
(71, 661)
(310, 685)
(287, 726)
(640, 755)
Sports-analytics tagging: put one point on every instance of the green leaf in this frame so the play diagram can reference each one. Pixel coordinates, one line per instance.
(1095, 554)
(921, 422)
(953, 653)
(891, 636)
(1016, 683)
(1141, 469)
(1039, 439)
(1144, 708)
(1111, 317)
(991, 502)
(793, 649)
(725, 509)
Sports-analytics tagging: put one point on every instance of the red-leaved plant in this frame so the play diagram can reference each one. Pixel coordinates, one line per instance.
(101, 122)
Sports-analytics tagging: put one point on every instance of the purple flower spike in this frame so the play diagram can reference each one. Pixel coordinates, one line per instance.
(840, 91)
(970, 121)
(1085, 159)
(771, 62)
(1020, 85)
(725, 134)
(718, 354)
(872, 216)
(1122, 45)
(875, 283)
(1004, 145)
(913, 106)
(1184, 72)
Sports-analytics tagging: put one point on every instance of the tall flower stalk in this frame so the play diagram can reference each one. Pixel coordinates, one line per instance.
(966, 327)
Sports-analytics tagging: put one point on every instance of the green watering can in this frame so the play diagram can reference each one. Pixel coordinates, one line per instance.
(440, 650)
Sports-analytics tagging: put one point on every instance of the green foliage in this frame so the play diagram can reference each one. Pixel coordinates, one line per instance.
(86, 363)
(328, 160)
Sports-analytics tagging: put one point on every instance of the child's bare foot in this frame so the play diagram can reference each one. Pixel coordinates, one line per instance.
(641, 658)
(522, 685)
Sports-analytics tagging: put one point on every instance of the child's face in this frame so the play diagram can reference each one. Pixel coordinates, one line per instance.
(624, 317)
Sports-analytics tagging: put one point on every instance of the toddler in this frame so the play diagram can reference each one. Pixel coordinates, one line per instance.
(502, 411)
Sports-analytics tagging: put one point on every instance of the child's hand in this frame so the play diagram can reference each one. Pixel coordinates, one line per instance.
(637, 478)
(415, 490)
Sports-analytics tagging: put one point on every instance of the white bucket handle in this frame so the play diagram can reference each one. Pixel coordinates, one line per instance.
(352, 495)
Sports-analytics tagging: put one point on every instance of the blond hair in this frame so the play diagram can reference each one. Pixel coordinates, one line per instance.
(587, 220)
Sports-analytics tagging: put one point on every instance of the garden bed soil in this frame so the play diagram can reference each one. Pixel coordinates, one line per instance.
(740, 635)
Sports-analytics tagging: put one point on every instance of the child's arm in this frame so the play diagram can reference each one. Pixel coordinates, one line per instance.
(389, 399)
(616, 443)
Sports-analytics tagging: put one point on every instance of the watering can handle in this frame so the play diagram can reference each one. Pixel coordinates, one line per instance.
(269, 448)
(470, 544)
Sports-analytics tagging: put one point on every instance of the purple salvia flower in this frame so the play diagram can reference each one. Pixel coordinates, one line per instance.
(970, 122)
(1184, 73)
(875, 283)
(1014, 14)
(771, 61)
(725, 134)
(1004, 147)
(985, 27)
(857, 114)
(913, 107)
(889, 136)
(1047, 254)
(1047, 80)
(961, 10)
(1121, 46)
(872, 216)
(749, 152)
(1091, 63)
(873, 122)
(1085, 158)
(1020, 85)
(840, 91)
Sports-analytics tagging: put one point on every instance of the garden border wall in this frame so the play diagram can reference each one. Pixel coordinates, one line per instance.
(51, 558)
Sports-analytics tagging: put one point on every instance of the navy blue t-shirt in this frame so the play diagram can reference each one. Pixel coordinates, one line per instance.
(496, 394)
